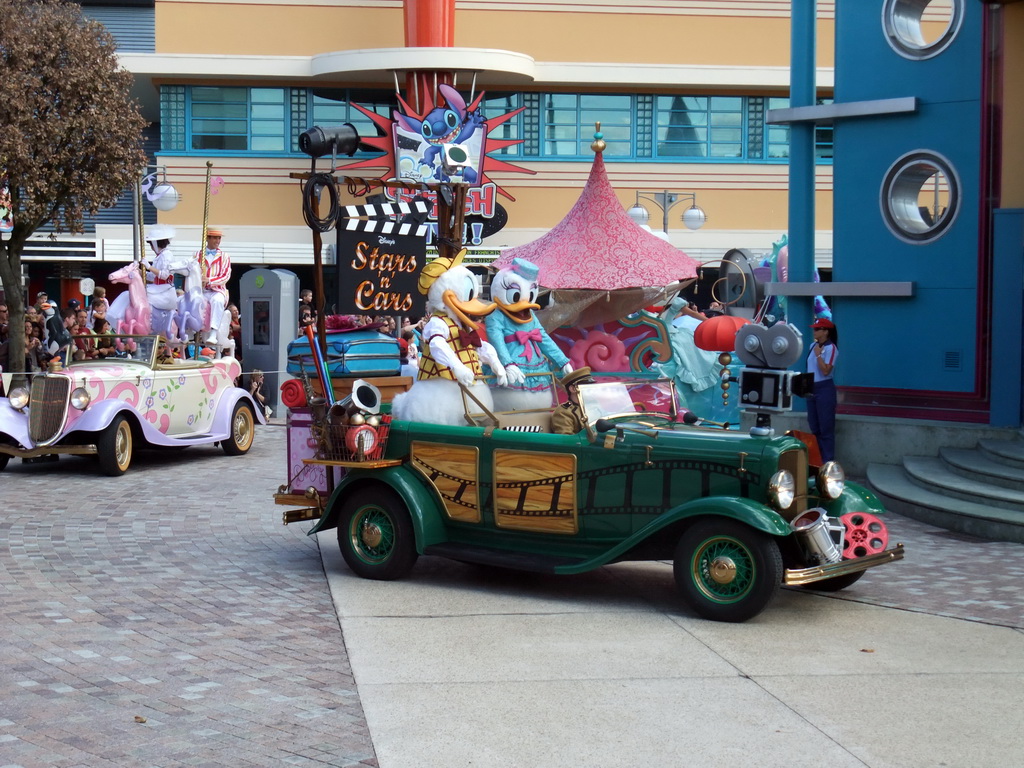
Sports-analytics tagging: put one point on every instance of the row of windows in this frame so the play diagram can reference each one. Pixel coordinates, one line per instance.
(552, 125)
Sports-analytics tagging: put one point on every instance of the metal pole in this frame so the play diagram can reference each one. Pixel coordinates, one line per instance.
(803, 49)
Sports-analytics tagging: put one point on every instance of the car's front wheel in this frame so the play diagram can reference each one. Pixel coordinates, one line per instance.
(243, 428)
(114, 447)
(375, 535)
(727, 571)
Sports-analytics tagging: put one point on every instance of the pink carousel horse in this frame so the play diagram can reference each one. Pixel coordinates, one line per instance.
(137, 313)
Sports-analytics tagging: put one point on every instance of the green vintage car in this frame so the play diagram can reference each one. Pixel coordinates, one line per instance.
(738, 515)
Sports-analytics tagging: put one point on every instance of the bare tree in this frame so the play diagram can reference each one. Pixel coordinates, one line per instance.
(70, 133)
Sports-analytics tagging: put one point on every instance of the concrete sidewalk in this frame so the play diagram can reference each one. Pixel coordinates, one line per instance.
(465, 666)
(166, 619)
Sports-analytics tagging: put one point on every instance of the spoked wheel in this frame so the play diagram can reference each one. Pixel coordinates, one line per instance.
(727, 571)
(114, 447)
(243, 428)
(375, 535)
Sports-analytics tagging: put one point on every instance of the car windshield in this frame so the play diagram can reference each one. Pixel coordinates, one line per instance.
(139, 349)
(605, 399)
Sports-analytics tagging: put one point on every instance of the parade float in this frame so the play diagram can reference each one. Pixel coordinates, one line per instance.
(138, 396)
(644, 478)
(106, 395)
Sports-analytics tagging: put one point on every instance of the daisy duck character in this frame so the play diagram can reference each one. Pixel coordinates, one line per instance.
(452, 350)
(522, 344)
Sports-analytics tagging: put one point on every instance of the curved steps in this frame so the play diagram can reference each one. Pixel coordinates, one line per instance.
(976, 491)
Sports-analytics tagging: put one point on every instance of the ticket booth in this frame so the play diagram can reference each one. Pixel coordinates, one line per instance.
(270, 319)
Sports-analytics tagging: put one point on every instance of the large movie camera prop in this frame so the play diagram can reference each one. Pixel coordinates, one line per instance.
(765, 386)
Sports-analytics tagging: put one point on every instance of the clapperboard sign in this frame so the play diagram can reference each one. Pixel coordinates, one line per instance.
(379, 259)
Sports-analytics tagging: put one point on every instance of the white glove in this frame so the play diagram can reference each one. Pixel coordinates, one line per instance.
(567, 368)
(501, 376)
(513, 374)
(464, 375)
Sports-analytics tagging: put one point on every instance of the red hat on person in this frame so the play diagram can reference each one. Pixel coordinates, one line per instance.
(823, 322)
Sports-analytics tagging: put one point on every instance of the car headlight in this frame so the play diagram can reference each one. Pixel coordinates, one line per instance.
(80, 399)
(782, 489)
(18, 398)
(831, 480)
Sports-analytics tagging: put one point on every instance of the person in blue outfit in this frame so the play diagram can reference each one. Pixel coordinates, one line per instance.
(821, 406)
(522, 344)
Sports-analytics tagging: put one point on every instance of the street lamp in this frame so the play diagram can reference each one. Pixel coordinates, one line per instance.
(693, 217)
(154, 186)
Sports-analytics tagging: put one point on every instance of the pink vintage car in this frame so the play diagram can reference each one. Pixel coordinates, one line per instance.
(106, 407)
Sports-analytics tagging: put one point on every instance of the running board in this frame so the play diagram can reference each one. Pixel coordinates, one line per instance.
(520, 561)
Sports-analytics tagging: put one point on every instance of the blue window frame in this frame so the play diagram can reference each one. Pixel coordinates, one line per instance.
(237, 119)
(567, 121)
(777, 144)
(709, 127)
(553, 126)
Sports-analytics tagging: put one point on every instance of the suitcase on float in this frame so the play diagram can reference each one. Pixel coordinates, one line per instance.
(349, 353)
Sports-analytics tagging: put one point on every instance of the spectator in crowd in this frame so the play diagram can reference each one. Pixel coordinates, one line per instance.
(60, 332)
(256, 390)
(41, 298)
(36, 357)
(715, 308)
(98, 304)
(305, 317)
(82, 328)
(235, 329)
(104, 338)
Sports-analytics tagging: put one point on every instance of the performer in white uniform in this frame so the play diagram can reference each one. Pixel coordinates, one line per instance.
(216, 268)
(161, 268)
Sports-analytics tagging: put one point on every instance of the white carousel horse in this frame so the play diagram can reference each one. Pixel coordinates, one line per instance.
(193, 308)
(137, 314)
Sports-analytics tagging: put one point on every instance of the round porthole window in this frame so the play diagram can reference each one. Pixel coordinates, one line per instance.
(920, 29)
(920, 197)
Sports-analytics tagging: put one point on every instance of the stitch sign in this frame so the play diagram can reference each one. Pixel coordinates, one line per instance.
(378, 272)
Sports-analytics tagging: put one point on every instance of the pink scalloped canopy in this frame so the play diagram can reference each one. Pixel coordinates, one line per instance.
(598, 247)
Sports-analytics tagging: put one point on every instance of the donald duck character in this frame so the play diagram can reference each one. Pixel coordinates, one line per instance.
(452, 350)
(522, 344)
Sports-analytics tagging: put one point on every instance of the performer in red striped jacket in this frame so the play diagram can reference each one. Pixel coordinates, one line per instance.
(216, 270)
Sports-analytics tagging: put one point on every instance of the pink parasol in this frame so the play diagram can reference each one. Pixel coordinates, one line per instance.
(598, 247)
(598, 263)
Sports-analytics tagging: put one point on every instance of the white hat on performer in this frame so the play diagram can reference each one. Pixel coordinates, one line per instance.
(159, 232)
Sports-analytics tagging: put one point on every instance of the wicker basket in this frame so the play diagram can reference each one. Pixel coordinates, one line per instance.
(354, 443)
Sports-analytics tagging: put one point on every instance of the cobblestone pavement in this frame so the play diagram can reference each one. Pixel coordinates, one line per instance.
(166, 618)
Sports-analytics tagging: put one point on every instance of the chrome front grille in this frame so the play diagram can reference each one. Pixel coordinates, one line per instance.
(48, 407)
(795, 461)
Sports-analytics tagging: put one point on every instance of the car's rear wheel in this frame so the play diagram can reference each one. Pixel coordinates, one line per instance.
(375, 535)
(836, 582)
(243, 428)
(114, 447)
(727, 571)
(4, 458)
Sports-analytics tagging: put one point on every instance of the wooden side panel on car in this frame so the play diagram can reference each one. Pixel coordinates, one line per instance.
(535, 491)
(453, 471)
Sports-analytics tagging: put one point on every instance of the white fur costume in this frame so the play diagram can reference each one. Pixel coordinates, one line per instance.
(437, 399)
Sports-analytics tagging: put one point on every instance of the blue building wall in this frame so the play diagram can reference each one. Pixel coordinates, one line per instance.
(928, 341)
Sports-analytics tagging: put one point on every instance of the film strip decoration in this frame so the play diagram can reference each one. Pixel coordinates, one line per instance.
(386, 218)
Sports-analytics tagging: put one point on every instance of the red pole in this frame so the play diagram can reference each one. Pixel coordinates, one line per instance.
(428, 24)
